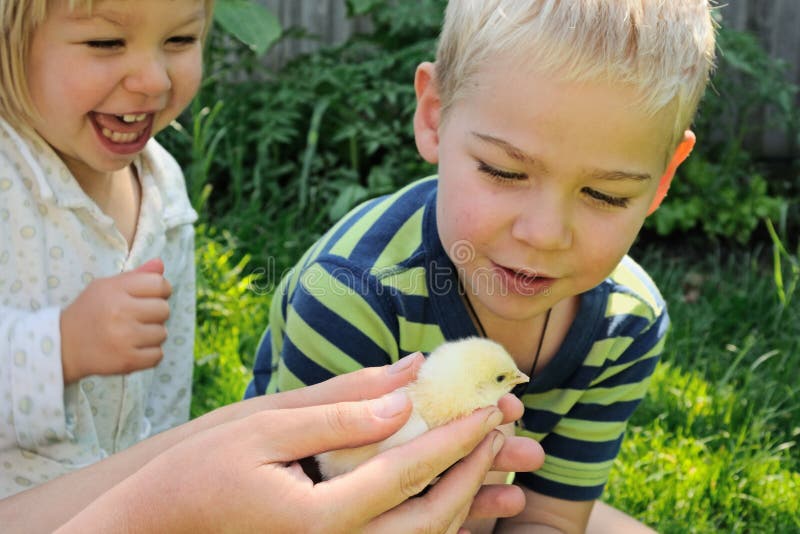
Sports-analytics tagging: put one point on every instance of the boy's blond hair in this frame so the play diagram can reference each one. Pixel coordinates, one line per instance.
(664, 48)
(18, 20)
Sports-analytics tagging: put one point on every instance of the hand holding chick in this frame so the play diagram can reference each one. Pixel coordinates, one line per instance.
(457, 378)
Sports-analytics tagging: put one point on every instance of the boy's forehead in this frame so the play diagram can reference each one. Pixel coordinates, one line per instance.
(512, 107)
(595, 92)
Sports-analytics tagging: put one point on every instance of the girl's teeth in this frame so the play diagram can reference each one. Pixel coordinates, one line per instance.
(134, 118)
(118, 137)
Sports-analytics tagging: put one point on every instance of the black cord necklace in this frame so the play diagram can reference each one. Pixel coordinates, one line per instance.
(520, 388)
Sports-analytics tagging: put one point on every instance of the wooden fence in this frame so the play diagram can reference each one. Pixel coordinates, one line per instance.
(326, 20)
(776, 23)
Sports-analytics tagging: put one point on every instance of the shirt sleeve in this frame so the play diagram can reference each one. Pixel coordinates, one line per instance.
(581, 447)
(334, 320)
(31, 378)
(169, 398)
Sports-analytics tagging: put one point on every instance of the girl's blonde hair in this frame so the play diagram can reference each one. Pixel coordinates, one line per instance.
(664, 48)
(18, 20)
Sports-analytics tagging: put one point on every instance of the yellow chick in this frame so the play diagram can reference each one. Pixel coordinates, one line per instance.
(456, 379)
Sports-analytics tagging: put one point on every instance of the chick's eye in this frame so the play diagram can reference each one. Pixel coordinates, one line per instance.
(500, 378)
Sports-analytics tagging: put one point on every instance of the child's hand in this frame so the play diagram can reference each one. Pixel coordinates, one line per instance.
(116, 325)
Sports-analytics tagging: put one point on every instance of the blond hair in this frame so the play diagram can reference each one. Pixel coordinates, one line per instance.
(18, 20)
(663, 48)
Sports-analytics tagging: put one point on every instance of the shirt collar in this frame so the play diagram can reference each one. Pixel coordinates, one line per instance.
(38, 163)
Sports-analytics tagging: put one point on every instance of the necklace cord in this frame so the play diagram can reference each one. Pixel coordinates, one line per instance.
(520, 388)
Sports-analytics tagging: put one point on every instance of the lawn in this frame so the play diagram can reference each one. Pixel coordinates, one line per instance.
(713, 447)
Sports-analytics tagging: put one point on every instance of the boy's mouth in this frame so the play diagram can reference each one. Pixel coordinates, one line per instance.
(524, 281)
(123, 133)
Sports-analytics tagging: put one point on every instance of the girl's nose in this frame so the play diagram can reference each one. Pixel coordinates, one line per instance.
(149, 76)
(543, 223)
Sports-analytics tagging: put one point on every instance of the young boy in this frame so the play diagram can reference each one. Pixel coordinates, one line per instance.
(556, 127)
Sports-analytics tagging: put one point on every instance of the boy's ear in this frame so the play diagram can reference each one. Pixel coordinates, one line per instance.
(428, 113)
(678, 157)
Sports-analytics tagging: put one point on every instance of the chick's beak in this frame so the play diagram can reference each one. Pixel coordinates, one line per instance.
(519, 378)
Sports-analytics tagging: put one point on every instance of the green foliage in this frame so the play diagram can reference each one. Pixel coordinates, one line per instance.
(300, 147)
(721, 200)
(231, 314)
(399, 23)
(720, 189)
(249, 22)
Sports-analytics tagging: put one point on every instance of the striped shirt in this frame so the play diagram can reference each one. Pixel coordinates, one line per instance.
(379, 286)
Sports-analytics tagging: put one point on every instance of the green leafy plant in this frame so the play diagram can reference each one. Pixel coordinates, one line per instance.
(721, 200)
(248, 22)
(232, 312)
(300, 147)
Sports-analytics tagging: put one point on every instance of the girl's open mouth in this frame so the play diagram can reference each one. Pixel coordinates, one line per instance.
(123, 134)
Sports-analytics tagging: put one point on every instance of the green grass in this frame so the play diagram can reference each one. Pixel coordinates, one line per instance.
(713, 448)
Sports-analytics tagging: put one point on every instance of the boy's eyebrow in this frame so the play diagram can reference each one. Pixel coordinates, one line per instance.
(512, 151)
(595, 174)
(599, 174)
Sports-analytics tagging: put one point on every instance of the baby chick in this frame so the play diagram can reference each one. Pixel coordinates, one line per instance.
(456, 379)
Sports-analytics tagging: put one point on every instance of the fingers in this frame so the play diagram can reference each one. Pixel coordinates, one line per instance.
(446, 506)
(301, 432)
(146, 358)
(511, 407)
(366, 383)
(150, 335)
(147, 285)
(403, 471)
(152, 310)
(520, 455)
(156, 265)
(497, 501)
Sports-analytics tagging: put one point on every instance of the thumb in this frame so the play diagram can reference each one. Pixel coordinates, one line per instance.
(156, 265)
(300, 432)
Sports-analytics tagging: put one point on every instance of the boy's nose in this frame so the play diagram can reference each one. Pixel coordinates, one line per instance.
(544, 225)
(149, 76)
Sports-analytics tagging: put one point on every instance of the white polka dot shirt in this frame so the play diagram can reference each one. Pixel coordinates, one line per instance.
(53, 241)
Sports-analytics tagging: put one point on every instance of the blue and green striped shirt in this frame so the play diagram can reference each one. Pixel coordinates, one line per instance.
(379, 286)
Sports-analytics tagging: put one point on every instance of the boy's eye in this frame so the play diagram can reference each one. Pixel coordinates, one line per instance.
(498, 173)
(608, 200)
(106, 44)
